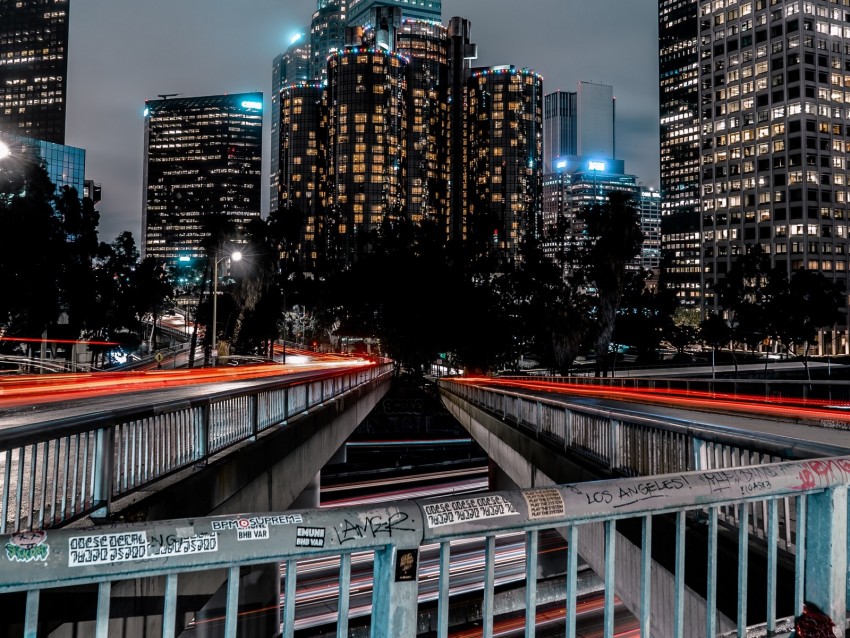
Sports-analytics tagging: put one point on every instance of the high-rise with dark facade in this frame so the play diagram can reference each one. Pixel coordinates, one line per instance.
(773, 85)
(365, 147)
(300, 115)
(560, 121)
(679, 98)
(505, 156)
(34, 68)
(294, 65)
(359, 10)
(203, 158)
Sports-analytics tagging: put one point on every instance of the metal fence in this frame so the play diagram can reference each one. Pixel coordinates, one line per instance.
(624, 443)
(54, 472)
(36, 562)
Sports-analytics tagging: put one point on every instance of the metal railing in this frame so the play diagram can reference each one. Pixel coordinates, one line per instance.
(626, 443)
(55, 472)
(39, 561)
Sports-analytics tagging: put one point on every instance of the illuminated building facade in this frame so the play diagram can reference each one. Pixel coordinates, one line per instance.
(300, 115)
(203, 157)
(774, 80)
(679, 98)
(327, 35)
(34, 68)
(505, 154)
(578, 183)
(289, 67)
(359, 10)
(364, 149)
(426, 46)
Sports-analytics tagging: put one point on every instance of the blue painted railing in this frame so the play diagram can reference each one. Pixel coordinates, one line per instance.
(35, 562)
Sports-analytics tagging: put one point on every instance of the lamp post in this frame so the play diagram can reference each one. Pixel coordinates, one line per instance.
(235, 256)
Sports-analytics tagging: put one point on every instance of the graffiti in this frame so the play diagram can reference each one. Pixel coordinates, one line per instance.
(372, 526)
(757, 486)
(651, 489)
(25, 547)
(814, 474)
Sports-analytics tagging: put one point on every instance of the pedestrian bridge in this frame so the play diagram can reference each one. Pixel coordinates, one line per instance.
(760, 495)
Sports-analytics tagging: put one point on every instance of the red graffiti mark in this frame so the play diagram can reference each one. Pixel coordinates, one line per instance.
(808, 481)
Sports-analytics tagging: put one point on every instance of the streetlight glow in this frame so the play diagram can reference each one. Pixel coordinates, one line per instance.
(4, 150)
(234, 256)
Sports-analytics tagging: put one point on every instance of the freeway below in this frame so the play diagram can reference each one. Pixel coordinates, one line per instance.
(32, 399)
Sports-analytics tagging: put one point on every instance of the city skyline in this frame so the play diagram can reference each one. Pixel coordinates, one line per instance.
(107, 88)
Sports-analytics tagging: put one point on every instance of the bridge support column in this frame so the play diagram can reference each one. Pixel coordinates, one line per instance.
(826, 554)
(310, 498)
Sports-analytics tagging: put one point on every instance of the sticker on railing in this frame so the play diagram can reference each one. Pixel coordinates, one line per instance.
(467, 510)
(25, 547)
(547, 503)
(98, 549)
(310, 537)
(255, 522)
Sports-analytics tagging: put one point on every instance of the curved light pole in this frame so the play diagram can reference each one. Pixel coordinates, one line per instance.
(234, 256)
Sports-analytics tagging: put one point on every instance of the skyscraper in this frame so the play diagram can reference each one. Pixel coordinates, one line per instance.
(300, 114)
(595, 134)
(505, 155)
(426, 45)
(365, 156)
(34, 68)
(678, 32)
(202, 158)
(774, 137)
(294, 65)
(462, 51)
(560, 121)
(358, 13)
(327, 34)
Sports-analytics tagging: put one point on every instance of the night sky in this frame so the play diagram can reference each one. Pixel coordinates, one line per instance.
(123, 52)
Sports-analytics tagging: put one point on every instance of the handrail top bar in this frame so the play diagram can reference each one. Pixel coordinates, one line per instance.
(679, 380)
(47, 429)
(64, 557)
(772, 443)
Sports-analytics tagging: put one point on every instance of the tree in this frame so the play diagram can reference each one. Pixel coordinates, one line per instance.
(31, 250)
(807, 303)
(615, 238)
(716, 332)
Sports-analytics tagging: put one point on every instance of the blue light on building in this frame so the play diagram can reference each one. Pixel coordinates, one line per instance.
(65, 165)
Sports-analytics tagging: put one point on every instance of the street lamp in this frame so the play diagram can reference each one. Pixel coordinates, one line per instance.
(234, 256)
(4, 150)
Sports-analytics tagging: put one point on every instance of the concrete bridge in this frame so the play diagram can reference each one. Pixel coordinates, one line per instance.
(670, 477)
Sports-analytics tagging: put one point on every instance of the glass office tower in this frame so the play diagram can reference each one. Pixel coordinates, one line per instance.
(202, 158)
(359, 10)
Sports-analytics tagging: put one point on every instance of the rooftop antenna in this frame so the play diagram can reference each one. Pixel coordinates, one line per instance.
(165, 96)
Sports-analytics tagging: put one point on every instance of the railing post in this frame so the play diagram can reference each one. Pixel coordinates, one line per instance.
(394, 602)
(568, 430)
(614, 445)
(255, 415)
(826, 554)
(104, 459)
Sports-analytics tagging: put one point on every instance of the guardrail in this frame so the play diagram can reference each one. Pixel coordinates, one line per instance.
(52, 473)
(625, 443)
(38, 561)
